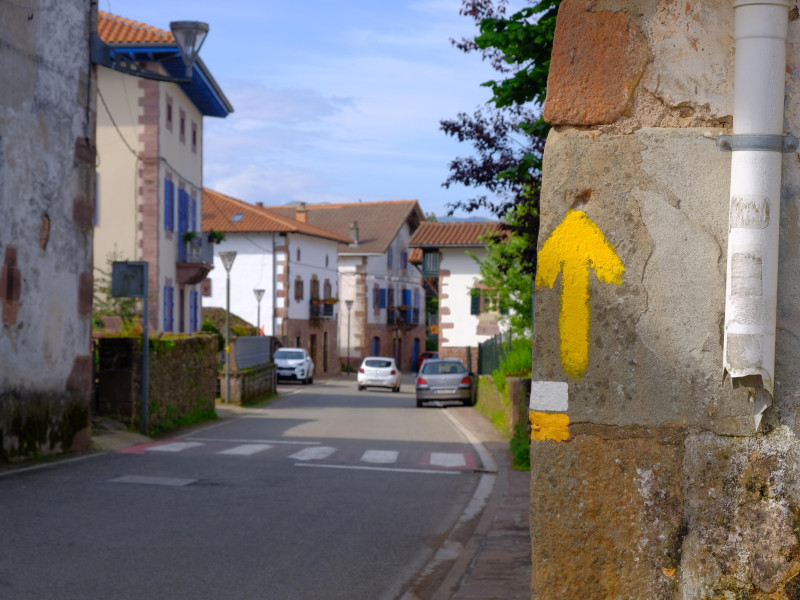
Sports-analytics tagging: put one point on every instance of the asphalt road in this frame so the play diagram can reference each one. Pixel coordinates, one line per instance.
(326, 493)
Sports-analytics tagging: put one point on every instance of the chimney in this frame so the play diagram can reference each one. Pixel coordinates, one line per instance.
(301, 213)
(354, 234)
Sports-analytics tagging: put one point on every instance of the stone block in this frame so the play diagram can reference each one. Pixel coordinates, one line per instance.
(597, 61)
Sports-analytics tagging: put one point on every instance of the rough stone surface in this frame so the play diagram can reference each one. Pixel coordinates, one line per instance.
(597, 57)
(665, 212)
(606, 516)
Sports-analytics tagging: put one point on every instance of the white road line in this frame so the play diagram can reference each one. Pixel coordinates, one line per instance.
(387, 469)
(448, 459)
(380, 456)
(149, 480)
(317, 453)
(174, 447)
(246, 449)
(247, 441)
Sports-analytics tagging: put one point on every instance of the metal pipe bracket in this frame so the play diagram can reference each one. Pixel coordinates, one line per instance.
(758, 143)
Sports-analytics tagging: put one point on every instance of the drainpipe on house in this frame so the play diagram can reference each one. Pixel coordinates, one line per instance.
(757, 144)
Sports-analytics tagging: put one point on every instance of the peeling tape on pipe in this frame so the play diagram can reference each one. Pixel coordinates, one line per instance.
(546, 426)
(744, 352)
(746, 274)
(552, 396)
(749, 211)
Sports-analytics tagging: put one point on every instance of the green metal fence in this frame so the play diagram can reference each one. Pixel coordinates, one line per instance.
(492, 351)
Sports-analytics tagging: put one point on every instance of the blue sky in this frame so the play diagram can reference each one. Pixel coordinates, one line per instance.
(334, 100)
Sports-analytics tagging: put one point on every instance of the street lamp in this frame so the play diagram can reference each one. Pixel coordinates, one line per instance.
(227, 261)
(349, 304)
(259, 294)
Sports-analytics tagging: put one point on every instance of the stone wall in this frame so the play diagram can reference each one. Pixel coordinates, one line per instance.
(47, 163)
(649, 479)
(182, 379)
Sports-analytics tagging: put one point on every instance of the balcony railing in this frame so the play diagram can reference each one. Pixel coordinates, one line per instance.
(195, 260)
(321, 310)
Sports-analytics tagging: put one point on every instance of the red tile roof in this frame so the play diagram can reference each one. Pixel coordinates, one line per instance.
(220, 210)
(119, 30)
(378, 222)
(465, 234)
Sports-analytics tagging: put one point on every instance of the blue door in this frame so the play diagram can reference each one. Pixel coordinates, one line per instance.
(415, 354)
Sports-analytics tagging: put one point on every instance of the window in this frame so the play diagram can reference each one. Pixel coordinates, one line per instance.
(169, 113)
(326, 290)
(193, 210)
(376, 299)
(298, 254)
(390, 296)
(183, 210)
(383, 298)
(315, 287)
(404, 259)
(389, 258)
(475, 302)
(376, 346)
(416, 298)
(182, 127)
(194, 137)
(169, 303)
(169, 204)
(298, 289)
(326, 260)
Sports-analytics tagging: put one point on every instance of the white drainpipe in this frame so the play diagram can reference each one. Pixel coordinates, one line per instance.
(757, 144)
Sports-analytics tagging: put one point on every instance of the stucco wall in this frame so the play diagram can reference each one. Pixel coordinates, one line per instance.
(47, 162)
(657, 484)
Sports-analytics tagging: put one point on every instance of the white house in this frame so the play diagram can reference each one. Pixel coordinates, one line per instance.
(294, 263)
(449, 253)
(150, 168)
(386, 317)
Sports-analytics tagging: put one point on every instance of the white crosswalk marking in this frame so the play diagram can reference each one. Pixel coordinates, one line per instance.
(448, 459)
(246, 449)
(380, 456)
(174, 447)
(315, 453)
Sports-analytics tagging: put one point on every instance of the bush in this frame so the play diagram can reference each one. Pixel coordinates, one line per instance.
(209, 327)
(518, 362)
(521, 447)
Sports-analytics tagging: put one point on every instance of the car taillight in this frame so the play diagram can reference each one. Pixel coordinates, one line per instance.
(465, 381)
(421, 381)
(361, 370)
(394, 372)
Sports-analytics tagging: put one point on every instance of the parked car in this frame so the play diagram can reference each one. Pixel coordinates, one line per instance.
(294, 363)
(425, 356)
(445, 379)
(378, 371)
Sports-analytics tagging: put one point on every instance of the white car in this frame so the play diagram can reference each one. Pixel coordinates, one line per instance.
(378, 371)
(294, 363)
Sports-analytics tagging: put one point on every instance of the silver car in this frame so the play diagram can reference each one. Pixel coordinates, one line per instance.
(294, 363)
(378, 371)
(445, 379)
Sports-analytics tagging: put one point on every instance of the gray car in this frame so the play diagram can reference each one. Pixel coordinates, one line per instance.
(294, 363)
(445, 379)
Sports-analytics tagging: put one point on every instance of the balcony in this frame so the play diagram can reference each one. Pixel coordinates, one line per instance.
(403, 316)
(321, 310)
(195, 260)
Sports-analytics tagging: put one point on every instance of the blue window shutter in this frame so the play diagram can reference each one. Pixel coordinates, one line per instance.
(194, 215)
(171, 307)
(383, 298)
(166, 204)
(407, 297)
(180, 209)
(166, 308)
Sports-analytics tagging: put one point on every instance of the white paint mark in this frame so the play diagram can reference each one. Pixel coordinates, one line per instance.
(380, 456)
(448, 459)
(550, 396)
(385, 469)
(246, 449)
(251, 441)
(316, 453)
(174, 447)
(149, 480)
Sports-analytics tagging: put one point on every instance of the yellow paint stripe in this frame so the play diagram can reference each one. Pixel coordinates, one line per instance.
(549, 426)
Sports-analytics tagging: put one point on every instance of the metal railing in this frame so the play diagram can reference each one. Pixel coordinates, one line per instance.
(197, 250)
(320, 310)
(492, 351)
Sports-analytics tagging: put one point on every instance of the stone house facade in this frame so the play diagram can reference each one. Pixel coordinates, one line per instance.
(47, 182)
(150, 173)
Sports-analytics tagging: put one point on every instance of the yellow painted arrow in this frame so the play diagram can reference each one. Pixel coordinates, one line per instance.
(574, 247)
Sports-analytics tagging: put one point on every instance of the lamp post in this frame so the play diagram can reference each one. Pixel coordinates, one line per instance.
(259, 294)
(227, 261)
(349, 304)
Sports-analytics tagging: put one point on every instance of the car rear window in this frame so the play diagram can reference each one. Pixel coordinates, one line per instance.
(289, 355)
(378, 364)
(440, 368)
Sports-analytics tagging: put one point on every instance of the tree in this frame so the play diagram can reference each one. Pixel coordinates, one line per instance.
(507, 133)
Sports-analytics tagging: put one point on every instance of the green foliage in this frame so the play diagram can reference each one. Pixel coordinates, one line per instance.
(525, 41)
(348, 369)
(103, 303)
(209, 327)
(518, 362)
(243, 330)
(173, 420)
(521, 447)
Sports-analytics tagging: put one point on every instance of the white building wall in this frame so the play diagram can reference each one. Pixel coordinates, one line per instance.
(252, 269)
(348, 277)
(310, 256)
(455, 297)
